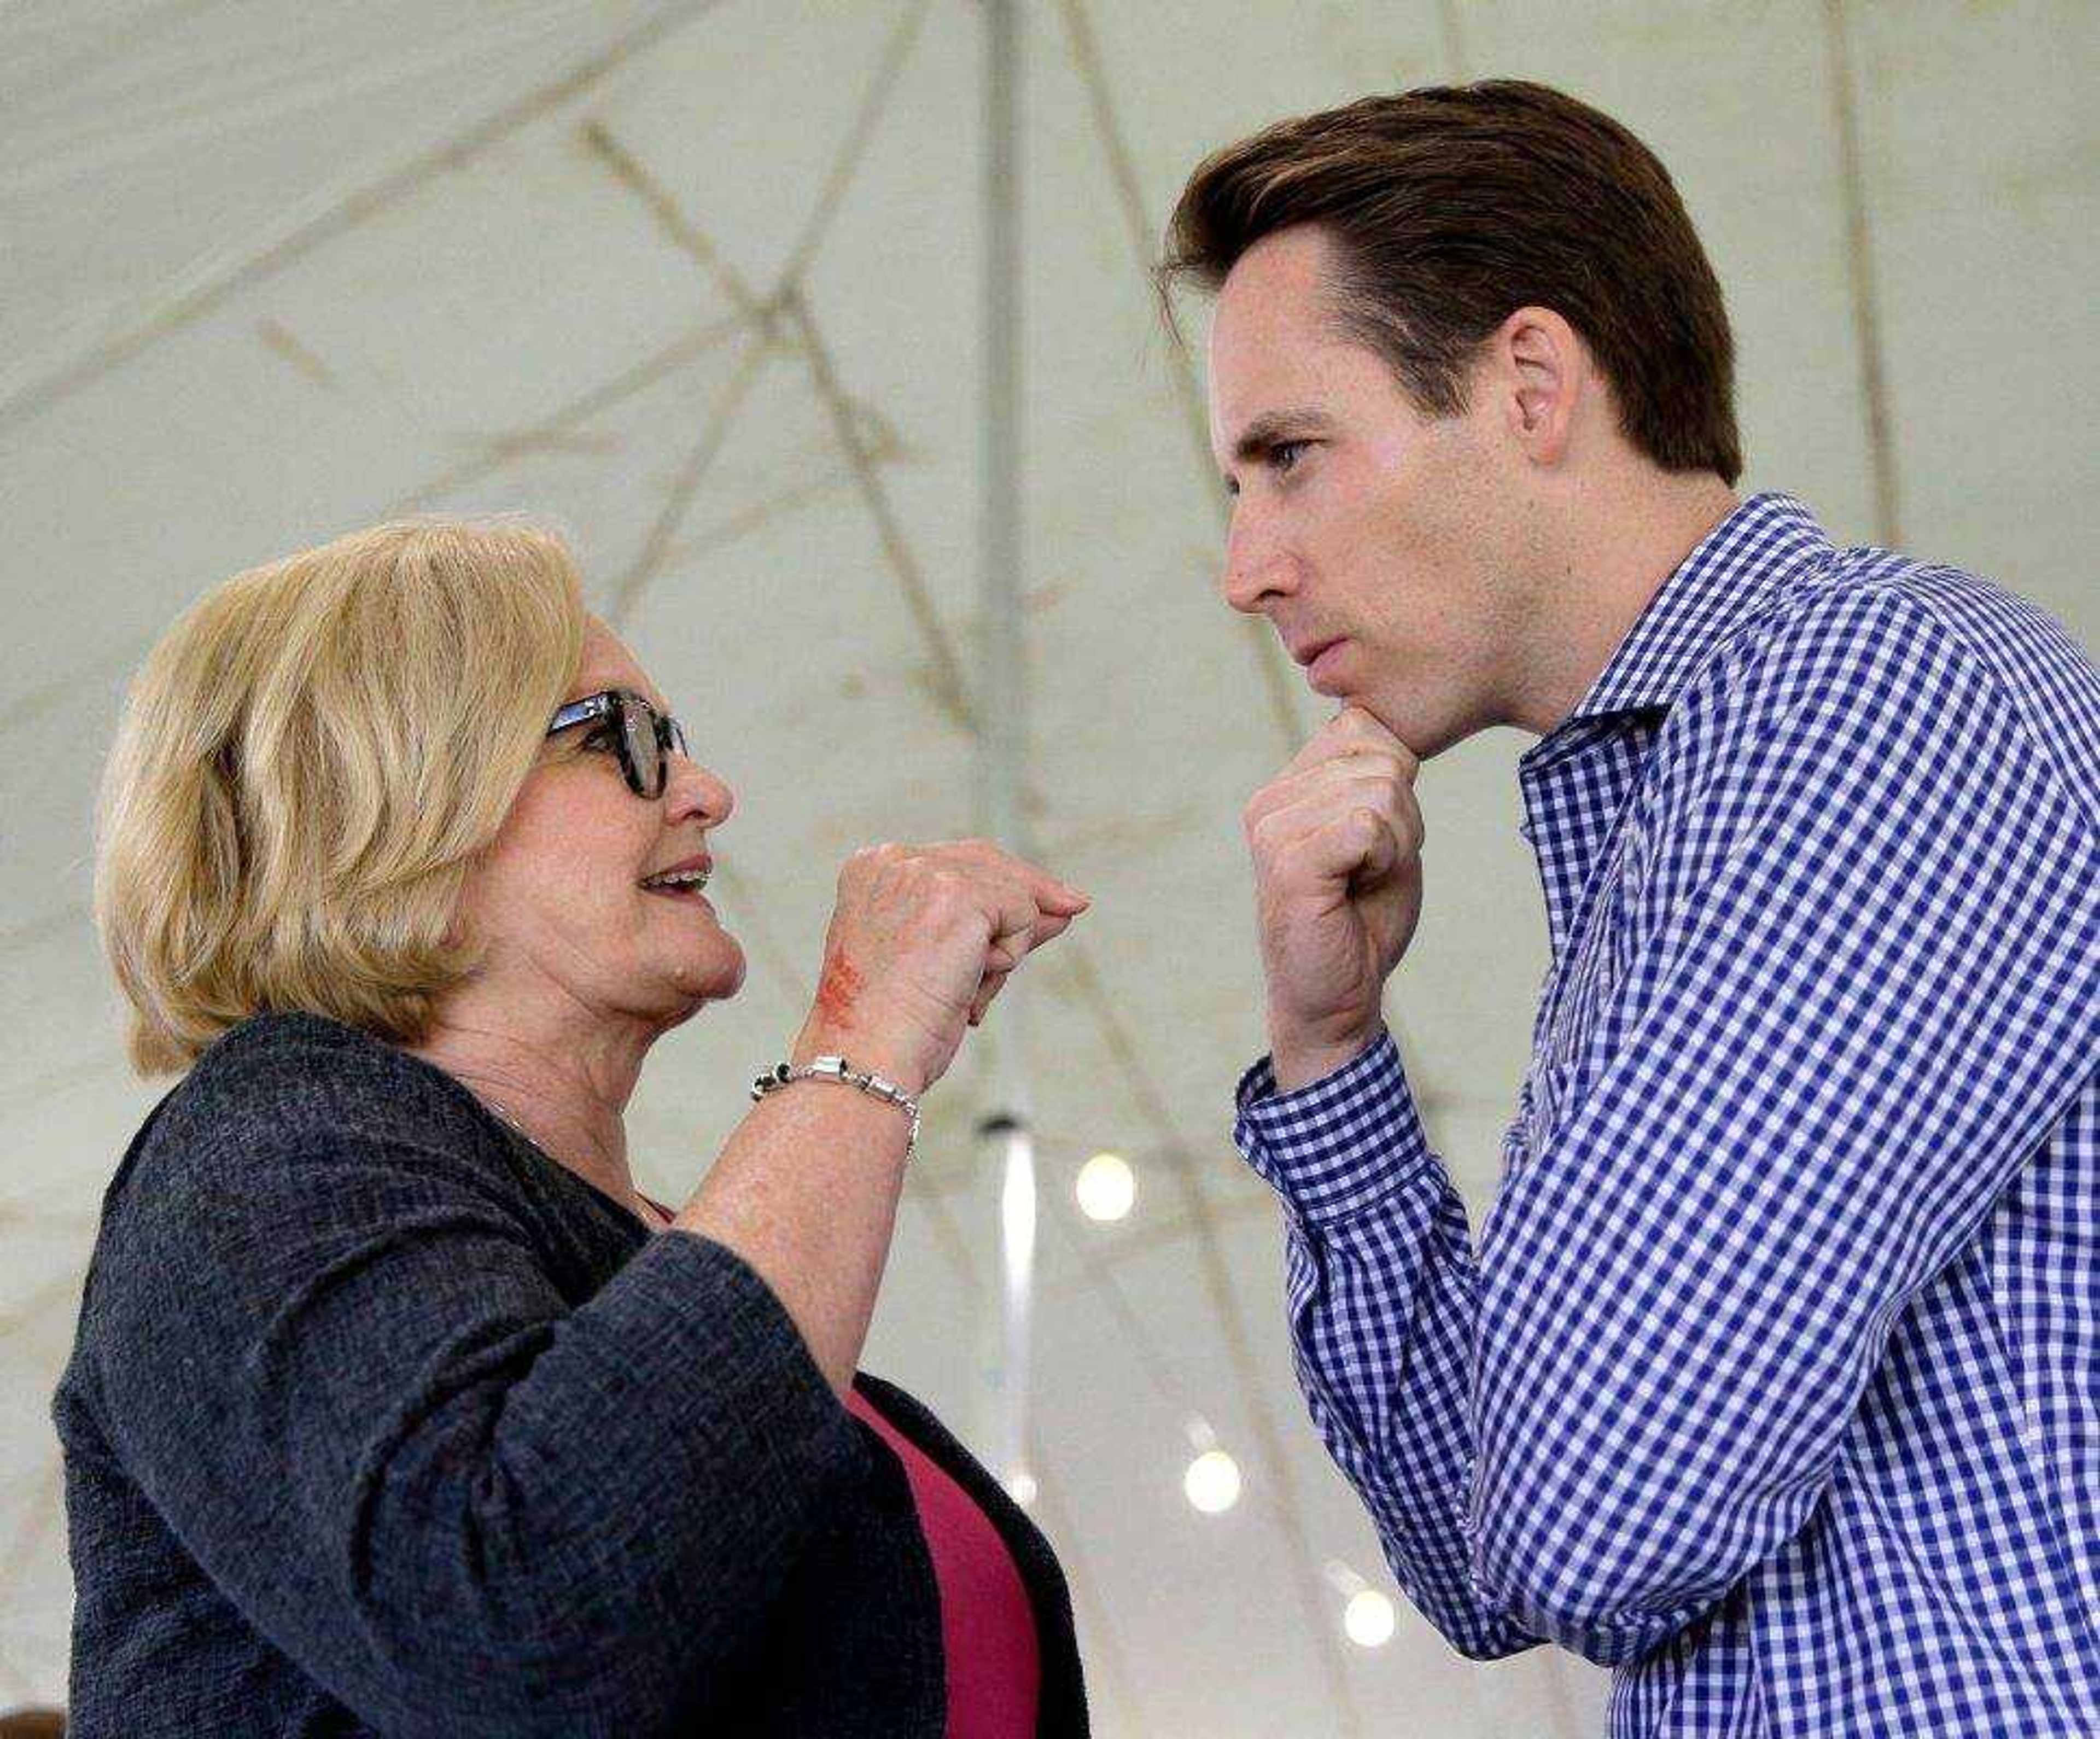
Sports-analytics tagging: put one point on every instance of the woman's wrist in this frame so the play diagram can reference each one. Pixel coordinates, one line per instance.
(866, 1052)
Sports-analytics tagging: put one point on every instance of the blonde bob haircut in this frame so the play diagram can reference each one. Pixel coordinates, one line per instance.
(310, 761)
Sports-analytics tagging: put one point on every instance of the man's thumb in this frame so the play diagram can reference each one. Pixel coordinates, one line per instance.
(1383, 856)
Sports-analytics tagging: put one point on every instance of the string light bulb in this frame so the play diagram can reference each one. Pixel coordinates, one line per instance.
(1369, 1619)
(1212, 1482)
(1106, 1187)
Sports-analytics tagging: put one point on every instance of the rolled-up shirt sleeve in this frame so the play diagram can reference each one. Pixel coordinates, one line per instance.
(339, 1371)
(1380, 1281)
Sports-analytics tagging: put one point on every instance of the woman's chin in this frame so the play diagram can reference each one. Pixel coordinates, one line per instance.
(718, 975)
(733, 974)
(711, 965)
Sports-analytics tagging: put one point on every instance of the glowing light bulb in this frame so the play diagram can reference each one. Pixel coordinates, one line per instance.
(1369, 1618)
(1212, 1482)
(1106, 1187)
(1020, 1486)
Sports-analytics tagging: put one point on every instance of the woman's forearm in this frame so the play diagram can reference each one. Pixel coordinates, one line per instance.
(805, 1191)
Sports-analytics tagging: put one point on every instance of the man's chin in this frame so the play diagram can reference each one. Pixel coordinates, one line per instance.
(1423, 737)
(1426, 745)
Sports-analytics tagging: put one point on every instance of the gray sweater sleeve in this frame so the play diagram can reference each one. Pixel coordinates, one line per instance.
(333, 1357)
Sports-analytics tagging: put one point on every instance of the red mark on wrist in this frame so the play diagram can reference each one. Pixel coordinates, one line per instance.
(839, 985)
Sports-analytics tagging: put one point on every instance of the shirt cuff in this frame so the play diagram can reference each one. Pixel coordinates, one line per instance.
(1339, 1143)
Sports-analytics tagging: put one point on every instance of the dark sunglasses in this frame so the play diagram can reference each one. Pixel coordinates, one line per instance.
(640, 735)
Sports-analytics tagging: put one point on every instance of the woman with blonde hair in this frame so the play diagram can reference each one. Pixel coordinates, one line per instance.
(395, 1407)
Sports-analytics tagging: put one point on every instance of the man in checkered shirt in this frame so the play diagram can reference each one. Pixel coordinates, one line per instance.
(1775, 1381)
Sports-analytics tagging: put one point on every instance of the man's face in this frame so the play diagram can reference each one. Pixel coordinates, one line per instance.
(1380, 543)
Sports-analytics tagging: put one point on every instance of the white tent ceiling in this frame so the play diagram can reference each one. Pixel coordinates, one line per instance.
(698, 282)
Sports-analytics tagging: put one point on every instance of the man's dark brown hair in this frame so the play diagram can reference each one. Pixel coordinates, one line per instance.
(1452, 206)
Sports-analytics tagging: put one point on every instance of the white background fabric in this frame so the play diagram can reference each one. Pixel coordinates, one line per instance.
(269, 272)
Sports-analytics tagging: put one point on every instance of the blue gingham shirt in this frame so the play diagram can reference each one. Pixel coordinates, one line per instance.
(1775, 1381)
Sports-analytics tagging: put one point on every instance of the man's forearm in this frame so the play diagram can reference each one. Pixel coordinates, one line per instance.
(1382, 1287)
(1381, 1343)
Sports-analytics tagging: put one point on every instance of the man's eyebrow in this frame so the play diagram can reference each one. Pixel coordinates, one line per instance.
(1274, 427)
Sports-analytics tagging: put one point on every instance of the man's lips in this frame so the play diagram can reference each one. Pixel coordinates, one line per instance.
(1307, 650)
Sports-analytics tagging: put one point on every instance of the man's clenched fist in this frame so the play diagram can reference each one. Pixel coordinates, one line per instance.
(1337, 842)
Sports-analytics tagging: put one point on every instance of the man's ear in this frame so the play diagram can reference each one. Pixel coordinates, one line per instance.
(1540, 370)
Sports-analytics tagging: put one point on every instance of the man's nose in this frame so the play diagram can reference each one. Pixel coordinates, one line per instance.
(1256, 565)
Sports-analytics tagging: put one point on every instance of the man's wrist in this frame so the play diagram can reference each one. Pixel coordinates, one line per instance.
(1298, 1061)
(1337, 1146)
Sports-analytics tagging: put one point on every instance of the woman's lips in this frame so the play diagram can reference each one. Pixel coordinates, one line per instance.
(688, 895)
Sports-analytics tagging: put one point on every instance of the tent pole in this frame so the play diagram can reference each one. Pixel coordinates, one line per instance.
(1005, 1138)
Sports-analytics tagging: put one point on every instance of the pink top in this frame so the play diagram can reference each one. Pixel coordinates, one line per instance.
(987, 1628)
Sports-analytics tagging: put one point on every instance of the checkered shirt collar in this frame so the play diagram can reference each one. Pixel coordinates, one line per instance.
(1728, 579)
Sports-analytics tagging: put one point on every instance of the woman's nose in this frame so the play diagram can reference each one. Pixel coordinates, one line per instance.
(691, 790)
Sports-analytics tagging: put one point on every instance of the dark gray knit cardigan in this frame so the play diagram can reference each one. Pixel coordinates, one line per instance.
(379, 1421)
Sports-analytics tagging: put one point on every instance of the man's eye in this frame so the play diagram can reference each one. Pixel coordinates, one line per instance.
(600, 739)
(1283, 456)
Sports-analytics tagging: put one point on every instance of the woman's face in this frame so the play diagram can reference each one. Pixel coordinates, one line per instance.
(559, 901)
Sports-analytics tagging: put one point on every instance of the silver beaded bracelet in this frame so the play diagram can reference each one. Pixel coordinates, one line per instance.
(838, 1069)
